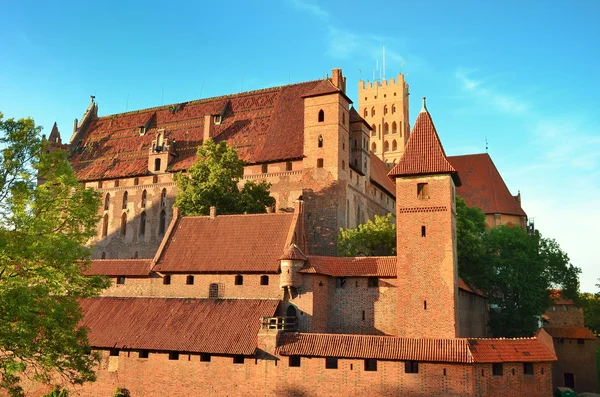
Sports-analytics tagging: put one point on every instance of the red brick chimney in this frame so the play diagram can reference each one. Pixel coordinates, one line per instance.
(213, 212)
(208, 121)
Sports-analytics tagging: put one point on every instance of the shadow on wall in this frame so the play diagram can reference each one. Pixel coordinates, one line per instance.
(132, 234)
(323, 216)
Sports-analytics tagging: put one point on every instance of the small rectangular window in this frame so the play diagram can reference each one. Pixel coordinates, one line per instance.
(239, 280)
(497, 369)
(288, 166)
(173, 356)
(423, 231)
(143, 354)
(167, 279)
(99, 184)
(264, 280)
(422, 191)
(205, 357)
(373, 282)
(319, 163)
(114, 352)
(265, 168)
(294, 361)
(580, 341)
(340, 282)
(411, 367)
(238, 359)
(528, 368)
(331, 362)
(189, 280)
(121, 280)
(370, 364)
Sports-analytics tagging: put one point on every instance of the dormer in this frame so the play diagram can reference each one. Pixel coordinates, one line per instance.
(161, 153)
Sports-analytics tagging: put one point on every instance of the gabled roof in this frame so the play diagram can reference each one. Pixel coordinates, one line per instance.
(483, 186)
(293, 253)
(456, 350)
(263, 126)
(379, 175)
(219, 326)
(364, 266)
(325, 87)
(227, 243)
(119, 267)
(54, 134)
(570, 332)
(357, 118)
(424, 154)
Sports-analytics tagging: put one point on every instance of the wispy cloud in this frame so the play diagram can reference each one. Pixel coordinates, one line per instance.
(312, 8)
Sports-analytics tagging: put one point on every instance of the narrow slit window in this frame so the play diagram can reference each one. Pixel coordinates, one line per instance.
(320, 141)
(265, 168)
(156, 164)
(142, 223)
(321, 116)
(105, 226)
(423, 231)
(125, 199)
(124, 224)
(319, 163)
(107, 202)
(162, 222)
(144, 198)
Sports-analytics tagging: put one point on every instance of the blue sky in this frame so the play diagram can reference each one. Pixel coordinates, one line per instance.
(521, 74)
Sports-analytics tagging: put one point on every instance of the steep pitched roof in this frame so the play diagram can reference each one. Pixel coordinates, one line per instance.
(227, 243)
(263, 126)
(379, 175)
(457, 350)
(570, 332)
(364, 266)
(219, 326)
(424, 153)
(119, 267)
(483, 186)
(355, 117)
(293, 253)
(54, 134)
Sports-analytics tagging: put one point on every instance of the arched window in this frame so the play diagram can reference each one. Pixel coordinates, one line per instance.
(106, 201)
(373, 111)
(385, 110)
(386, 128)
(125, 197)
(373, 130)
(394, 128)
(163, 198)
(124, 224)
(320, 141)
(135, 256)
(142, 223)
(162, 222)
(400, 128)
(374, 147)
(386, 146)
(103, 255)
(394, 145)
(144, 198)
(321, 116)
(105, 226)
(393, 109)
(291, 311)
(156, 164)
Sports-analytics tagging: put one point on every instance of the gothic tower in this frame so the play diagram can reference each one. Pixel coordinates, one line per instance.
(384, 105)
(426, 236)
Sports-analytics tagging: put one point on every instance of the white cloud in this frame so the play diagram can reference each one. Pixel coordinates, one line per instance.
(482, 90)
(312, 8)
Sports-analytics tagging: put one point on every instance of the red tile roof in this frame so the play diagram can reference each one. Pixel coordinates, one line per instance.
(457, 350)
(424, 153)
(324, 87)
(570, 332)
(464, 286)
(483, 186)
(363, 266)
(218, 326)
(510, 350)
(263, 125)
(371, 346)
(119, 267)
(293, 253)
(379, 175)
(355, 117)
(227, 243)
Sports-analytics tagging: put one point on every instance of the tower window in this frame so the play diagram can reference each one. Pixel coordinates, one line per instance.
(331, 362)
(144, 198)
(163, 198)
(105, 226)
(374, 147)
(124, 224)
(497, 369)
(156, 164)
(373, 130)
(125, 197)
(106, 201)
(365, 113)
(319, 163)
(385, 109)
(373, 111)
(423, 231)
(321, 116)
(162, 222)
(370, 364)
(423, 191)
(411, 367)
(320, 141)
(386, 128)
(239, 280)
(264, 280)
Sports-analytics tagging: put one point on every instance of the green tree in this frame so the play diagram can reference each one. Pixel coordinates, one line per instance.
(43, 229)
(376, 237)
(470, 230)
(213, 181)
(590, 303)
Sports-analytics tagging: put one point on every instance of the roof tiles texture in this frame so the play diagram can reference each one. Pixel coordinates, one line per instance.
(264, 125)
(227, 243)
(376, 266)
(570, 332)
(120, 267)
(218, 326)
(430, 350)
(424, 153)
(483, 186)
(379, 174)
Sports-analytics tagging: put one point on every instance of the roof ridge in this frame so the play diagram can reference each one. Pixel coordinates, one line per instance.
(209, 99)
(351, 257)
(231, 215)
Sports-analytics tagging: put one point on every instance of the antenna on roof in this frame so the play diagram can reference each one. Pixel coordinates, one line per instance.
(486, 144)
(383, 67)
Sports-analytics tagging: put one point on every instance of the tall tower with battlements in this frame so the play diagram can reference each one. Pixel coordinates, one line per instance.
(384, 105)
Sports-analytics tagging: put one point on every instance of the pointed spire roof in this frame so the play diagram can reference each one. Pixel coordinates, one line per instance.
(54, 134)
(424, 153)
(293, 253)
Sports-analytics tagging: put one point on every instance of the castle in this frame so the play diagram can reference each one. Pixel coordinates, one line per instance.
(256, 304)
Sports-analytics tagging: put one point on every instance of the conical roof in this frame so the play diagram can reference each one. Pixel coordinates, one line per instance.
(293, 253)
(54, 134)
(424, 153)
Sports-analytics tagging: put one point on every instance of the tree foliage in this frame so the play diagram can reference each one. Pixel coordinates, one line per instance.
(213, 181)
(514, 269)
(43, 229)
(376, 237)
